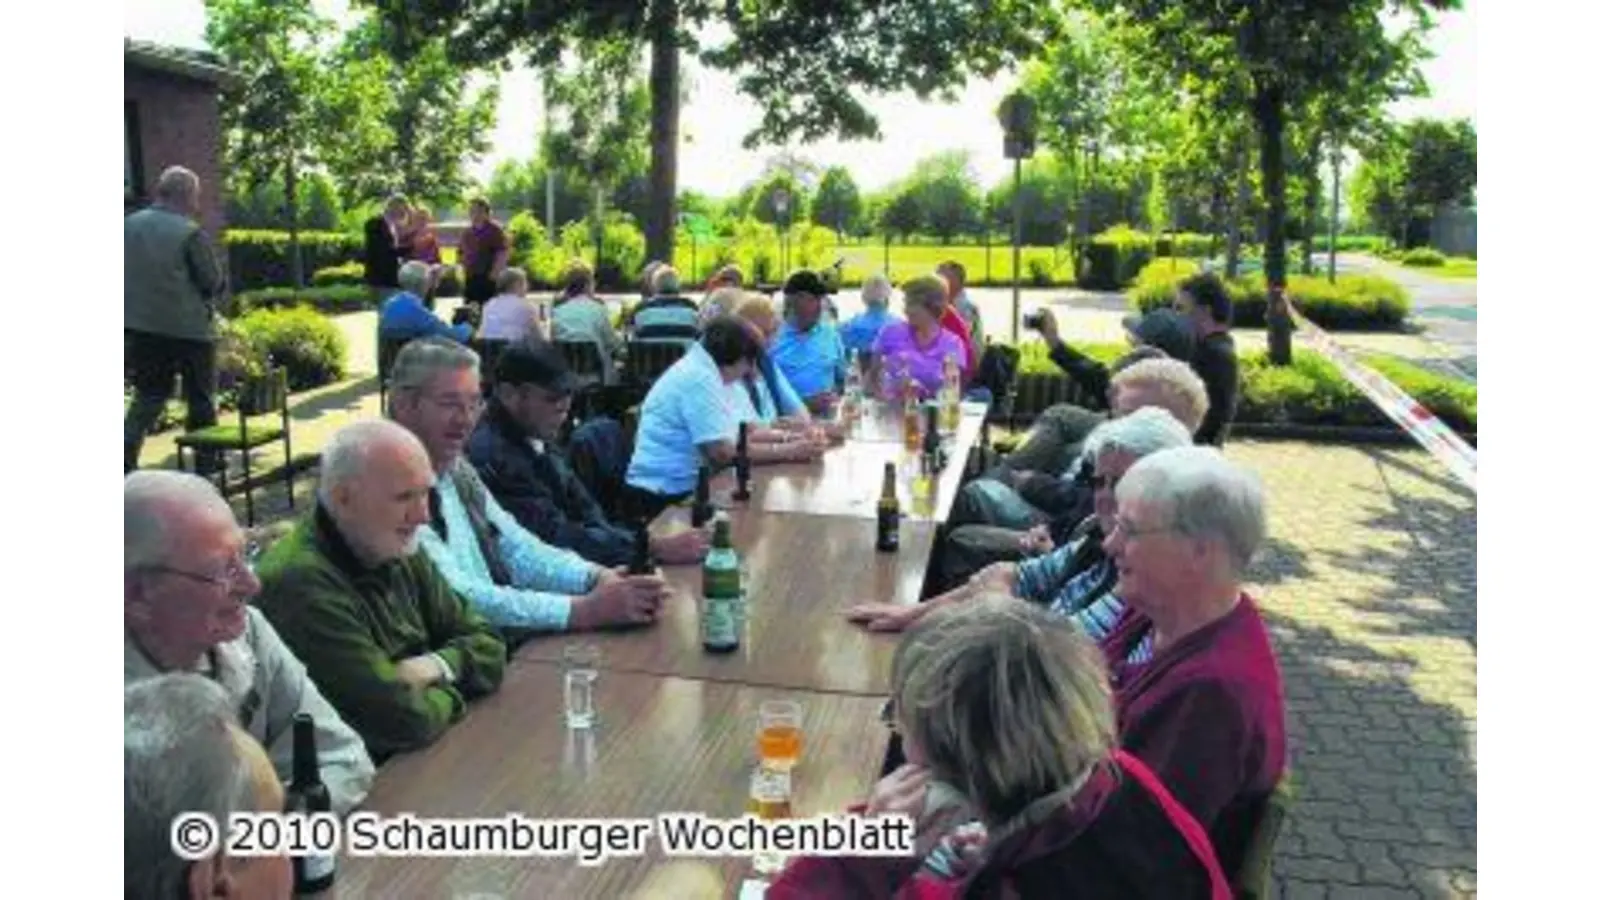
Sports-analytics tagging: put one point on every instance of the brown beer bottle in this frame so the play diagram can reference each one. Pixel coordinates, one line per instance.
(888, 513)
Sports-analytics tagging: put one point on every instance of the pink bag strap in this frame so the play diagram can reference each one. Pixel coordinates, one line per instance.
(1193, 834)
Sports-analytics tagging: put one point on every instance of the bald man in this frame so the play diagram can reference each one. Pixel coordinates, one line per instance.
(171, 285)
(187, 583)
(396, 650)
(184, 752)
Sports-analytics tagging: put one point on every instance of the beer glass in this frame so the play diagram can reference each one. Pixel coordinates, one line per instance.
(778, 737)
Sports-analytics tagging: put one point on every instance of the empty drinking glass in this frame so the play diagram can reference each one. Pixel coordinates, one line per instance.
(580, 667)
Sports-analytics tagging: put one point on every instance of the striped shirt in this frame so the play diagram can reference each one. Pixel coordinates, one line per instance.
(667, 319)
(1086, 596)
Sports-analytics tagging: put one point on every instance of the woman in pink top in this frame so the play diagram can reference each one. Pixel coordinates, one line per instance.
(916, 348)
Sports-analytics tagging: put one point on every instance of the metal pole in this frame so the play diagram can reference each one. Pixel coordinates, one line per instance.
(549, 187)
(1016, 250)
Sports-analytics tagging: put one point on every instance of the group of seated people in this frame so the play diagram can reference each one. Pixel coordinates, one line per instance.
(462, 525)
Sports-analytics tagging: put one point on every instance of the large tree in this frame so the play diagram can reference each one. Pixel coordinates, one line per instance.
(1292, 52)
(948, 194)
(838, 201)
(807, 63)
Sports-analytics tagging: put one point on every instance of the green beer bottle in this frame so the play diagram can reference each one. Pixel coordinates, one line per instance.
(721, 613)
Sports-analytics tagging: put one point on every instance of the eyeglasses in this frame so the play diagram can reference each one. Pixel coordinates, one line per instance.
(238, 570)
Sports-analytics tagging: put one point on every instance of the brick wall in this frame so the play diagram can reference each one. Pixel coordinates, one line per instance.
(178, 125)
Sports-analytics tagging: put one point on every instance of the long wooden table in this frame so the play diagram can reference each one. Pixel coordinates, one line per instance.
(663, 744)
(677, 725)
(803, 571)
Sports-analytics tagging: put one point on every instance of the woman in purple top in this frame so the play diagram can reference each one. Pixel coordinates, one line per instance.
(918, 346)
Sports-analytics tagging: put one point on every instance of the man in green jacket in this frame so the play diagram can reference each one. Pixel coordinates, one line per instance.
(171, 284)
(395, 650)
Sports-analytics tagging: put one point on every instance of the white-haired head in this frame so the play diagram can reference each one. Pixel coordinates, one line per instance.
(182, 751)
(1144, 431)
(413, 277)
(178, 188)
(876, 290)
(153, 503)
(350, 449)
(1200, 494)
(1167, 383)
(375, 485)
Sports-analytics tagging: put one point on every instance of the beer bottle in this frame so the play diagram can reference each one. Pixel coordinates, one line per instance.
(721, 615)
(701, 513)
(741, 463)
(307, 795)
(640, 564)
(888, 513)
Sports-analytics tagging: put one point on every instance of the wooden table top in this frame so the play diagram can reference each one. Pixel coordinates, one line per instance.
(803, 571)
(662, 745)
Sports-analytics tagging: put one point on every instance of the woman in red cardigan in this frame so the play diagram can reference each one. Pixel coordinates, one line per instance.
(1199, 693)
(1009, 708)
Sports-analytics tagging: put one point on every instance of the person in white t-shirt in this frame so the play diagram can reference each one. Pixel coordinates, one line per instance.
(511, 315)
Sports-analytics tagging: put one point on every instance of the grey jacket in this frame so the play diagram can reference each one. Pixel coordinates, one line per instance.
(272, 686)
(171, 281)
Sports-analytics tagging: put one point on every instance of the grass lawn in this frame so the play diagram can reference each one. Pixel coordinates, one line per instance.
(1454, 267)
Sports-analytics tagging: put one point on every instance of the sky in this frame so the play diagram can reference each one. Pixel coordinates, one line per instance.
(712, 161)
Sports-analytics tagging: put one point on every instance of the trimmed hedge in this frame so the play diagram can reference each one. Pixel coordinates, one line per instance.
(302, 340)
(1353, 303)
(1116, 256)
(1424, 257)
(347, 273)
(257, 259)
(329, 300)
(1310, 391)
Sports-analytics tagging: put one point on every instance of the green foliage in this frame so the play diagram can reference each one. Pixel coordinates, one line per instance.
(1359, 243)
(600, 112)
(1310, 391)
(330, 299)
(946, 193)
(351, 273)
(261, 258)
(838, 201)
(1353, 303)
(302, 340)
(1115, 257)
(1405, 178)
(1422, 257)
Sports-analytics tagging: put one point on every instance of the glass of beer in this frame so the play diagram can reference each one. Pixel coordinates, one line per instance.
(778, 737)
(771, 797)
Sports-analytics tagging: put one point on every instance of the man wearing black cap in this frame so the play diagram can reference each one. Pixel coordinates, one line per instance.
(808, 348)
(1204, 299)
(515, 452)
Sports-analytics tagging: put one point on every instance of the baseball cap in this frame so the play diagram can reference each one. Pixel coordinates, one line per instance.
(537, 363)
(806, 281)
(1164, 329)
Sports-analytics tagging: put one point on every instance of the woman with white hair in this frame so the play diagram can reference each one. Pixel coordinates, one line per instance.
(861, 331)
(1060, 812)
(405, 316)
(1075, 580)
(1198, 689)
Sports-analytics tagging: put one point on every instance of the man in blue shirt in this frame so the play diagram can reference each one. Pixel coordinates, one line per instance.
(807, 349)
(689, 419)
(861, 331)
(514, 449)
(404, 316)
(516, 581)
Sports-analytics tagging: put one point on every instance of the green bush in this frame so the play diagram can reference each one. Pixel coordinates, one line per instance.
(337, 298)
(349, 273)
(259, 259)
(1359, 243)
(1422, 257)
(1189, 245)
(300, 339)
(1353, 303)
(1310, 391)
(1115, 257)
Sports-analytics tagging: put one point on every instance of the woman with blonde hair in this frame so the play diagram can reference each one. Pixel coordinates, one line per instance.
(1011, 709)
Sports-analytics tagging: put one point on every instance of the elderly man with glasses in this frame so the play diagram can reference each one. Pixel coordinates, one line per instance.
(517, 582)
(187, 580)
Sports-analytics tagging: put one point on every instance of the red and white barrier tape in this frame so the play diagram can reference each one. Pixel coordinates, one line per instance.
(1436, 437)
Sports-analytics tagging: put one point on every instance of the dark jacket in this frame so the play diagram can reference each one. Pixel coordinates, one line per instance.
(380, 258)
(541, 491)
(1217, 363)
(1115, 839)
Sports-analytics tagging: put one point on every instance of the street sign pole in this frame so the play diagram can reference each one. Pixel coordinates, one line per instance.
(1017, 118)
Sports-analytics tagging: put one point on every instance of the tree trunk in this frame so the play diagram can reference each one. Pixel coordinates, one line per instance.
(291, 200)
(598, 228)
(1269, 123)
(664, 83)
(1313, 196)
(1241, 201)
(1333, 220)
(1081, 188)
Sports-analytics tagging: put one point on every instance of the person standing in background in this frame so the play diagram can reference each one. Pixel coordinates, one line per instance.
(484, 253)
(171, 286)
